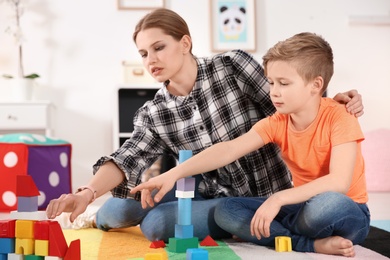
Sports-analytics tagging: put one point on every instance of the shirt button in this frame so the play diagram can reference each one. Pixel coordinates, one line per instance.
(194, 108)
(201, 128)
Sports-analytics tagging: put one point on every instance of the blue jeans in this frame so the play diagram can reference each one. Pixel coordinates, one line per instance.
(324, 215)
(158, 223)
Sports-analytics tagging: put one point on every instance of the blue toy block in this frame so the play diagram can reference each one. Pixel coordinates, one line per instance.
(184, 231)
(7, 245)
(184, 155)
(28, 204)
(197, 254)
(184, 211)
(186, 184)
(3, 256)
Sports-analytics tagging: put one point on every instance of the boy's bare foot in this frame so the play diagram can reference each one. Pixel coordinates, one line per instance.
(334, 246)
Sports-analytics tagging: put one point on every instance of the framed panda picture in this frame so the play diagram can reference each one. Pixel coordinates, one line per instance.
(233, 25)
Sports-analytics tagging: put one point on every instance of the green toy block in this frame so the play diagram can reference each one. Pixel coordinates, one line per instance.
(180, 245)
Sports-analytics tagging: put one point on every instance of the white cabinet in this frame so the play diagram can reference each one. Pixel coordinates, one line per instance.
(25, 117)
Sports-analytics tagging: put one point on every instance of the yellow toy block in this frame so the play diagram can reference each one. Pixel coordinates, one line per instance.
(24, 246)
(24, 229)
(41, 247)
(155, 256)
(283, 244)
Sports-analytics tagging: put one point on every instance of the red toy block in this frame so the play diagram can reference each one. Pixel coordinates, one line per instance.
(41, 230)
(158, 244)
(208, 241)
(57, 242)
(25, 186)
(7, 228)
(73, 252)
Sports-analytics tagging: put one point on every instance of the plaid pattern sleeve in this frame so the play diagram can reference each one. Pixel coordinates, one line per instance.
(229, 96)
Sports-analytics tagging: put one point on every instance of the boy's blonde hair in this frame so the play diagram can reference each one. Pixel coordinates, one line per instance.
(309, 53)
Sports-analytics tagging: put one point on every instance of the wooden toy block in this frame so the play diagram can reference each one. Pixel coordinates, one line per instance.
(208, 241)
(184, 231)
(24, 228)
(41, 230)
(157, 244)
(41, 247)
(25, 186)
(7, 228)
(3, 257)
(180, 245)
(184, 194)
(15, 257)
(57, 242)
(37, 215)
(24, 246)
(7, 245)
(185, 211)
(154, 256)
(74, 250)
(283, 244)
(53, 258)
(197, 254)
(185, 184)
(33, 257)
(27, 204)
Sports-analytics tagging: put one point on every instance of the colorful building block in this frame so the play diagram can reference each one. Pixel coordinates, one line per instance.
(24, 246)
(15, 257)
(185, 211)
(185, 184)
(283, 244)
(27, 204)
(7, 245)
(41, 247)
(197, 254)
(24, 228)
(7, 228)
(208, 241)
(34, 257)
(57, 242)
(154, 256)
(46, 160)
(157, 244)
(184, 231)
(25, 186)
(74, 249)
(184, 194)
(37, 215)
(41, 230)
(180, 245)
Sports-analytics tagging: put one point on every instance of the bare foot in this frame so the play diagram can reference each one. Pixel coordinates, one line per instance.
(334, 246)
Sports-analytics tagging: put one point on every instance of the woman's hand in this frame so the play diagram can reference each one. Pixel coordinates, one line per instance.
(353, 101)
(163, 183)
(75, 203)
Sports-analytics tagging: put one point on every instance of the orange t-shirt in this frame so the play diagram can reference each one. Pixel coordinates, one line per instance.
(307, 152)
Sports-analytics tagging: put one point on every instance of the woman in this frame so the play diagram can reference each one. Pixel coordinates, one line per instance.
(203, 101)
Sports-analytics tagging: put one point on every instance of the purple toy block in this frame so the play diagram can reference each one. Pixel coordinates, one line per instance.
(27, 204)
(184, 231)
(197, 254)
(7, 245)
(185, 184)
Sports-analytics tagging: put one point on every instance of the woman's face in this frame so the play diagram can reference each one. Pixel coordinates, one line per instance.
(161, 54)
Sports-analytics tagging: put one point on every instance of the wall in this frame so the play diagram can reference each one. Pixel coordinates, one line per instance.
(77, 47)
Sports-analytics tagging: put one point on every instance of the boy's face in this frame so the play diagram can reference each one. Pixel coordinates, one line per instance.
(288, 90)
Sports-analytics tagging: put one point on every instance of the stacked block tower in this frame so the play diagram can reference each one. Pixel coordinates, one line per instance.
(28, 235)
(184, 230)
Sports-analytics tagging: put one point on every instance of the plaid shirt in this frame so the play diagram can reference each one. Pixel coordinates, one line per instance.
(230, 95)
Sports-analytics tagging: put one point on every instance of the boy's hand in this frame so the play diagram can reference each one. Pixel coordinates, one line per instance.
(353, 101)
(75, 203)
